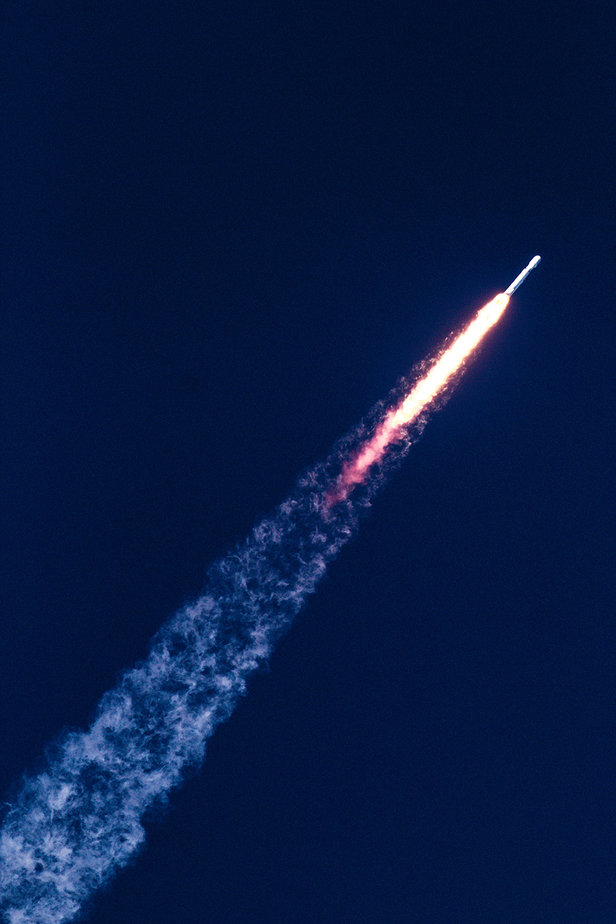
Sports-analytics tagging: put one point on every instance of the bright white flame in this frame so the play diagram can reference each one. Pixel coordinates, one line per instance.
(421, 396)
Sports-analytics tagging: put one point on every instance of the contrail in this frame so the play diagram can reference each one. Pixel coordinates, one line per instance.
(72, 825)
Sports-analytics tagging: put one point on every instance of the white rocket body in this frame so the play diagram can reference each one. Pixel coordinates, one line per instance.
(517, 282)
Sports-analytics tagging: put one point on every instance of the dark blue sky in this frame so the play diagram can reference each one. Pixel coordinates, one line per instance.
(228, 228)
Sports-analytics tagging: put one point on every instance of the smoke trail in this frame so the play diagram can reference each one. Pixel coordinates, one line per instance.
(74, 823)
(80, 819)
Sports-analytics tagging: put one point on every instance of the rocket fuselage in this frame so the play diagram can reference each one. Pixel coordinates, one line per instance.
(517, 282)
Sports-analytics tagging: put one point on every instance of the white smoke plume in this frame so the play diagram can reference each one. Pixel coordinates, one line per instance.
(72, 825)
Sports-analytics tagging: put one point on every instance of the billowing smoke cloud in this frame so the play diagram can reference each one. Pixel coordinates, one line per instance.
(78, 820)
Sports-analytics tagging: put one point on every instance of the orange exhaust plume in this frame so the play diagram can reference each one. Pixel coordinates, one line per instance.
(421, 396)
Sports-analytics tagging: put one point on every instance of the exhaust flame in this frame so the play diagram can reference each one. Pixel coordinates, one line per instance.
(423, 393)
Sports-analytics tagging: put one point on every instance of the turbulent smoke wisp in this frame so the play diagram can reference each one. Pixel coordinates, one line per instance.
(80, 819)
(72, 825)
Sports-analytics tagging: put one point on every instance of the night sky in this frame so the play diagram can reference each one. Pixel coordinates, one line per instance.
(228, 228)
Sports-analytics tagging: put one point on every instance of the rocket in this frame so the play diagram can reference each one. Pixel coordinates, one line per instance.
(517, 282)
